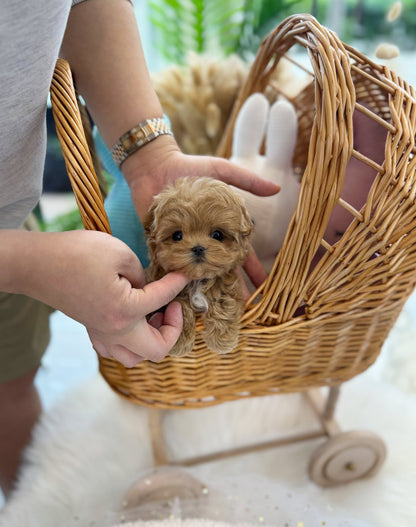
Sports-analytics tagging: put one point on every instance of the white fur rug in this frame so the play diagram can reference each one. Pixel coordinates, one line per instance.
(90, 447)
(183, 523)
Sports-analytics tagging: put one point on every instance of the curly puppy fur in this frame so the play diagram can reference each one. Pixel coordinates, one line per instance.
(201, 227)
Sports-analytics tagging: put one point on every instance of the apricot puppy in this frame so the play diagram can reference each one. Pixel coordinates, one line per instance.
(200, 226)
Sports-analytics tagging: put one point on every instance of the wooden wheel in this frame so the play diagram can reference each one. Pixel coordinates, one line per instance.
(346, 457)
(163, 485)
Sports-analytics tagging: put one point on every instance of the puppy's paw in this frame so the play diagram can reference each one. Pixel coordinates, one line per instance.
(221, 339)
(184, 345)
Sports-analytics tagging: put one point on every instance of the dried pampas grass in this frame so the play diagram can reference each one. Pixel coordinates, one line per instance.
(198, 98)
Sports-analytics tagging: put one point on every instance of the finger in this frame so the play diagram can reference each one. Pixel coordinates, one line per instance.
(156, 320)
(151, 341)
(100, 349)
(242, 178)
(157, 294)
(172, 324)
(128, 265)
(142, 342)
(159, 319)
(160, 341)
(127, 357)
(254, 269)
(118, 352)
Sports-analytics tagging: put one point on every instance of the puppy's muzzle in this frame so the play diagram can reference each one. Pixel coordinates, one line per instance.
(198, 253)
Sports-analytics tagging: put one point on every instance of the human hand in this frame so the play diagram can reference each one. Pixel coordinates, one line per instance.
(97, 280)
(161, 162)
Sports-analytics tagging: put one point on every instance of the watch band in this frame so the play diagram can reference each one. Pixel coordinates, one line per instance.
(141, 134)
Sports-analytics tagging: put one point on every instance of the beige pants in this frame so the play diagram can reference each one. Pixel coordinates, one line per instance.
(24, 333)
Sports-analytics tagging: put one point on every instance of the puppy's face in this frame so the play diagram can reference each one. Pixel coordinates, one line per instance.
(199, 226)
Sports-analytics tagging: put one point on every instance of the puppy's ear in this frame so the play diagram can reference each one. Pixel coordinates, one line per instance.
(246, 230)
(149, 226)
(246, 222)
(149, 220)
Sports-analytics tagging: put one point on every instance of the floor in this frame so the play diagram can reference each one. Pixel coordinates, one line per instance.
(69, 359)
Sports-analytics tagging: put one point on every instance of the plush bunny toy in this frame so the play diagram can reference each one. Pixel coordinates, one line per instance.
(271, 215)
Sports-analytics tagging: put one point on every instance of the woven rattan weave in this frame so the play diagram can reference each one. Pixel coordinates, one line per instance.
(310, 328)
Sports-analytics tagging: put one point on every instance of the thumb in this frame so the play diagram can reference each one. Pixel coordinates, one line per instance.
(157, 294)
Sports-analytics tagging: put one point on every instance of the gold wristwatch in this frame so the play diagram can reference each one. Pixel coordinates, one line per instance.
(141, 134)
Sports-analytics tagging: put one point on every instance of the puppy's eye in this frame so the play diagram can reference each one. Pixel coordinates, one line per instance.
(177, 236)
(217, 235)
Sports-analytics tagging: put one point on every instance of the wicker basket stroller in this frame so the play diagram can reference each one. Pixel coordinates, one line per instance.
(310, 328)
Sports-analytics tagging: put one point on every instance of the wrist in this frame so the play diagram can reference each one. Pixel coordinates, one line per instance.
(148, 170)
(149, 161)
(139, 136)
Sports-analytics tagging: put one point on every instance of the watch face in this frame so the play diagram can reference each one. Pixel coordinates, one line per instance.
(135, 136)
(138, 136)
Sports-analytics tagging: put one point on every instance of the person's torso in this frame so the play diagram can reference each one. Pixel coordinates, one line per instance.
(30, 37)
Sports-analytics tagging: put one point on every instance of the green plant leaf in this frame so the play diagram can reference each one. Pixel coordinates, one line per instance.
(212, 25)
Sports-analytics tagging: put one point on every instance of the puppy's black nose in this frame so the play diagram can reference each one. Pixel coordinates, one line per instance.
(198, 251)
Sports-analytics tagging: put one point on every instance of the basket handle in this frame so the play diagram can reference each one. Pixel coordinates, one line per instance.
(330, 149)
(78, 160)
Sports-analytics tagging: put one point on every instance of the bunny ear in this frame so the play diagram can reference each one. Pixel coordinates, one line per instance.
(250, 126)
(281, 134)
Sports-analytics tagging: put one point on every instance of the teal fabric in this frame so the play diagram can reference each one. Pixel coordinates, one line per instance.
(124, 221)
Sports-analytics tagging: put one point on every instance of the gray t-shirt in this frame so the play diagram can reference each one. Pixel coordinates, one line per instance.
(31, 33)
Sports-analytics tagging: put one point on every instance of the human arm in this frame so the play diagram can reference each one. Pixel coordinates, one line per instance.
(102, 45)
(97, 280)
